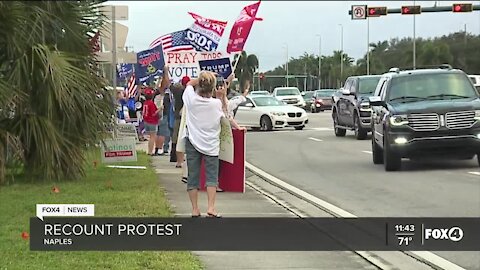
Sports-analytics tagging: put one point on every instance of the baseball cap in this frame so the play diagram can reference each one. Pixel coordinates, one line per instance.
(149, 91)
(185, 80)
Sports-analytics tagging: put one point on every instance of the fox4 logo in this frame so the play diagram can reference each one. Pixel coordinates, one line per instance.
(454, 234)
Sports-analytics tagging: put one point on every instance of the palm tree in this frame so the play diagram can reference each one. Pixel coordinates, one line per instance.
(246, 67)
(49, 110)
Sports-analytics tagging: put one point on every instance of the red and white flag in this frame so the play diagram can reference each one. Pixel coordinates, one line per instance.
(241, 28)
(131, 89)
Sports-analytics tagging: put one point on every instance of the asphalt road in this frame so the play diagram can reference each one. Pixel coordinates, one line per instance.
(341, 172)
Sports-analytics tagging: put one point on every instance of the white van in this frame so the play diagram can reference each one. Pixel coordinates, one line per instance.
(476, 81)
(289, 95)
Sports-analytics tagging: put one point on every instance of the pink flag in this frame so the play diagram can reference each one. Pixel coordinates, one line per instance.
(242, 27)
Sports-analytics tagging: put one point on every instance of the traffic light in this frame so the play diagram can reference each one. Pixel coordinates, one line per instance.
(376, 11)
(462, 7)
(409, 10)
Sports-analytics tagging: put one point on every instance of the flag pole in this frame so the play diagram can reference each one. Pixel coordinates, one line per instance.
(236, 63)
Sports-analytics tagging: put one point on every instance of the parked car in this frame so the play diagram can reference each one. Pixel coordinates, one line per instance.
(307, 97)
(261, 93)
(322, 100)
(267, 112)
(289, 95)
(476, 81)
(351, 110)
(421, 113)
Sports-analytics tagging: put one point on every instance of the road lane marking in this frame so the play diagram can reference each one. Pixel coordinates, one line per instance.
(367, 152)
(427, 257)
(322, 129)
(474, 173)
(315, 139)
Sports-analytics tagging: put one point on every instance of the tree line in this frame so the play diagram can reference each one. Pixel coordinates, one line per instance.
(460, 50)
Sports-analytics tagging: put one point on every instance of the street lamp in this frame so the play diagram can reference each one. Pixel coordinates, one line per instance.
(319, 61)
(286, 63)
(341, 53)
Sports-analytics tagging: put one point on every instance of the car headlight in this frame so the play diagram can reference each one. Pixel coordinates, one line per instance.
(398, 120)
(277, 113)
(477, 115)
(365, 106)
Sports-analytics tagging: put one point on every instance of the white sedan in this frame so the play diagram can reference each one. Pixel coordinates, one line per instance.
(266, 113)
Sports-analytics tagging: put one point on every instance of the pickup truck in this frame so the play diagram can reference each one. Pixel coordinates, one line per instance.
(351, 109)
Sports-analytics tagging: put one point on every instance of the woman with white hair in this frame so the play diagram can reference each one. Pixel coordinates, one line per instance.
(202, 133)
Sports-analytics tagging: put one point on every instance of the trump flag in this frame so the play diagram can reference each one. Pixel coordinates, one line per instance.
(242, 27)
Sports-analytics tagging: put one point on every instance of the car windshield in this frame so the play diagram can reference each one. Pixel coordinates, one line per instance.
(431, 86)
(259, 93)
(325, 93)
(288, 92)
(308, 95)
(368, 85)
(267, 101)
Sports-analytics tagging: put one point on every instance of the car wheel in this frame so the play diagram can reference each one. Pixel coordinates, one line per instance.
(377, 153)
(478, 159)
(265, 123)
(391, 160)
(299, 128)
(339, 132)
(360, 133)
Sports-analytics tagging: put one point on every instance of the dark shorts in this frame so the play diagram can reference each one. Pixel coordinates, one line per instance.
(176, 129)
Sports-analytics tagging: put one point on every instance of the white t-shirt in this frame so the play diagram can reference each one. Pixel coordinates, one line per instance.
(203, 121)
(233, 103)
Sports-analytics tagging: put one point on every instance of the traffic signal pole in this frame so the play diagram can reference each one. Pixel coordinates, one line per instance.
(425, 9)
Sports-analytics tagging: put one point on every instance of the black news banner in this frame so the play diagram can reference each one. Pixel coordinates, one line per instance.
(255, 234)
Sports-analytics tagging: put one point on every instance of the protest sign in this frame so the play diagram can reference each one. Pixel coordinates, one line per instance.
(226, 141)
(127, 130)
(182, 64)
(119, 150)
(124, 71)
(221, 66)
(232, 175)
(149, 64)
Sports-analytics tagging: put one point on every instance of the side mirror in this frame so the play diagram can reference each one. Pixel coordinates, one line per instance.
(303, 93)
(376, 101)
(249, 105)
(346, 92)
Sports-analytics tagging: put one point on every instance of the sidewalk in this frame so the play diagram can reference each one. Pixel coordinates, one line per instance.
(248, 204)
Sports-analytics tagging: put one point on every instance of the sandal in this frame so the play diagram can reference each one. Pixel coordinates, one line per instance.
(211, 215)
(178, 166)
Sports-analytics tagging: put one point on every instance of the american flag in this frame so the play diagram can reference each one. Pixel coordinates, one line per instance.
(131, 88)
(173, 42)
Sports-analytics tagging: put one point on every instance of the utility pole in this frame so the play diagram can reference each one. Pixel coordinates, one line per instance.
(341, 54)
(414, 41)
(114, 51)
(368, 45)
(319, 62)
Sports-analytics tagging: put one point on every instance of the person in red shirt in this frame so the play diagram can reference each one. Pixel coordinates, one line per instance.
(151, 118)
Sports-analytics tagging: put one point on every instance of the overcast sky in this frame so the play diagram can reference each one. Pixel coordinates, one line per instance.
(294, 23)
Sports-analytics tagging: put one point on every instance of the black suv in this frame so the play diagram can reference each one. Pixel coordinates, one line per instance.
(351, 108)
(424, 113)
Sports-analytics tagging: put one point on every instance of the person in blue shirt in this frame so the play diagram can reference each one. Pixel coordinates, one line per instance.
(122, 108)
